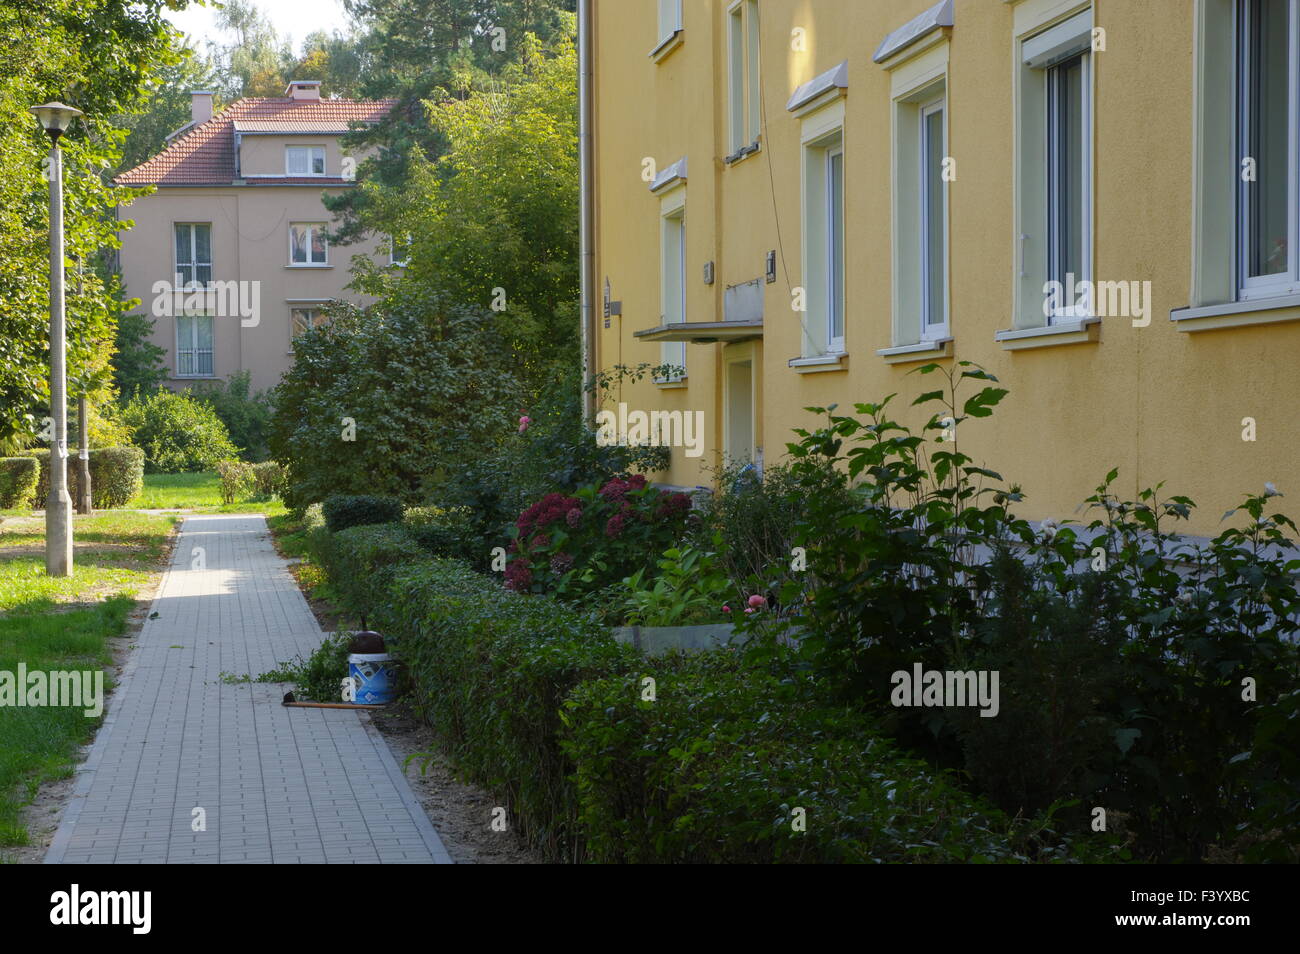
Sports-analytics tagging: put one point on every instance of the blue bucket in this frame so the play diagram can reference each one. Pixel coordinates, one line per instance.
(374, 678)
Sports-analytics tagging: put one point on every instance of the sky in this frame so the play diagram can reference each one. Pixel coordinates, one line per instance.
(292, 18)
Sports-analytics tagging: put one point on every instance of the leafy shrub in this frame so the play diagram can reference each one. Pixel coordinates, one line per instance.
(178, 433)
(247, 416)
(716, 767)
(567, 545)
(268, 479)
(448, 532)
(362, 559)
(342, 511)
(1123, 647)
(555, 451)
(236, 480)
(18, 479)
(756, 517)
(424, 381)
(116, 475)
(490, 670)
(689, 588)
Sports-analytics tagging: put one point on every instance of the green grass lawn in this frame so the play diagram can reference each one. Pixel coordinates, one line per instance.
(51, 624)
(194, 492)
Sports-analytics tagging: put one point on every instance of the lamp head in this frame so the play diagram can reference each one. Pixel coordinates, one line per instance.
(55, 118)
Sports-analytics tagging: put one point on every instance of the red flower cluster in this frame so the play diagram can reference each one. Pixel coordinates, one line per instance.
(672, 504)
(546, 511)
(518, 576)
(614, 526)
(618, 488)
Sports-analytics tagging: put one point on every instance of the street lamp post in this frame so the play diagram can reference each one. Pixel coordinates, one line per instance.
(55, 118)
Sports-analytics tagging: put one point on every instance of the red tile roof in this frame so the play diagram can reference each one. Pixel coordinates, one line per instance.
(205, 154)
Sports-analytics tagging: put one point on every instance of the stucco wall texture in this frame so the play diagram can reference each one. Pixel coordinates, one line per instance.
(1158, 403)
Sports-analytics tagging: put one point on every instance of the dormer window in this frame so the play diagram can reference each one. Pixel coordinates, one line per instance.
(304, 160)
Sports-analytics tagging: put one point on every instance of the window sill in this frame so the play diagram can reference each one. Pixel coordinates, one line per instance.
(743, 153)
(660, 52)
(1237, 314)
(817, 363)
(664, 384)
(1078, 331)
(309, 266)
(921, 351)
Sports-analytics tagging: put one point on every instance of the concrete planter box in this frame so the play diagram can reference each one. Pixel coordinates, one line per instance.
(657, 640)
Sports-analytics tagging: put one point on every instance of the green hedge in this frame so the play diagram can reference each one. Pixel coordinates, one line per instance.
(18, 479)
(535, 701)
(116, 475)
(491, 670)
(342, 511)
(715, 768)
(360, 562)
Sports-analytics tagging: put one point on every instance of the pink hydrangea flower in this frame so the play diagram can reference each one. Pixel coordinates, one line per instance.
(757, 602)
(524, 422)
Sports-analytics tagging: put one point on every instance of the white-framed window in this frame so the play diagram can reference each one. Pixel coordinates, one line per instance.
(670, 21)
(1268, 195)
(744, 103)
(399, 250)
(1054, 141)
(193, 253)
(672, 230)
(194, 346)
(933, 221)
(307, 244)
(304, 160)
(304, 318)
(824, 236)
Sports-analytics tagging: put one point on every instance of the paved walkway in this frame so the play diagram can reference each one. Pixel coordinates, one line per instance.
(278, 785)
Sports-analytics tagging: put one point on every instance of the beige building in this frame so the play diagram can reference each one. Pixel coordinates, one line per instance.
(229, 256)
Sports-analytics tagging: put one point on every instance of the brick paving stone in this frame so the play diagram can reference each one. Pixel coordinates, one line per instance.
(290, 786)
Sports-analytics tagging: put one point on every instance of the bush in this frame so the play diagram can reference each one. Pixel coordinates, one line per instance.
(116, 476)
(342, 511)
(449, 532)
(268, 479)
(361, 561)
(1123, 648)
(571, 545)
(247, 416)
(178, 433)
(236, 480)
(424, 383)
(717, 767)
(490, 670)
(18, 479)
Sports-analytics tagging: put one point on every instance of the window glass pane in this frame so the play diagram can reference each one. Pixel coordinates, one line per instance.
(934, 265)
(318, 162)
(203, 244)
(752, 93)
(298, 243)
(183, 245)
(736, 79)
(1267, 113)
(318, 244)
(297, 160)
(835, 218)
(1067, 145)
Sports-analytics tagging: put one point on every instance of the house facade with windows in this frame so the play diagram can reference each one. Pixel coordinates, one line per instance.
(230, 255)
(800, 202)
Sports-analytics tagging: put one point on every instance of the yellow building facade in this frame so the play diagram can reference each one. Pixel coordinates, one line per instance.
(799, 202)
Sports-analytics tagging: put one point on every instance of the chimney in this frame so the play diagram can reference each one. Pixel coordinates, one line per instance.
(303, 89)
(200, 106)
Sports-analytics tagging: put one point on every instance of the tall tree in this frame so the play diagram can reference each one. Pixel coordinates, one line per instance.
(98, 55)
(494, 221)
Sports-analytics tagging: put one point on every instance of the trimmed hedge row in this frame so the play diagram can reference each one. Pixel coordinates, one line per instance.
(116, 475)
(536, 701)
(18, 479)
